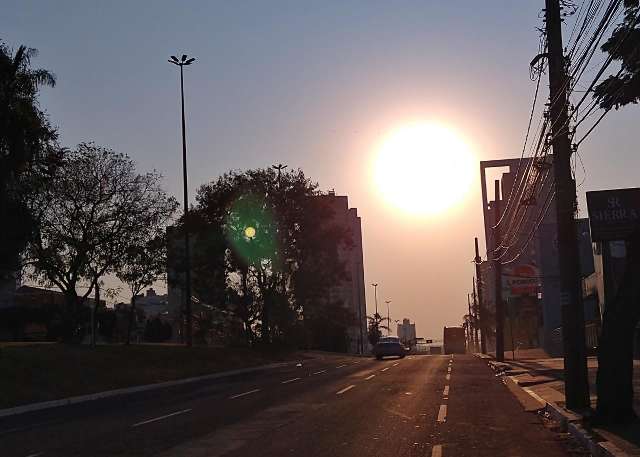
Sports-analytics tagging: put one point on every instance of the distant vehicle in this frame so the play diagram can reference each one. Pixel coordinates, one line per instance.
(389, 346)
(454, 340)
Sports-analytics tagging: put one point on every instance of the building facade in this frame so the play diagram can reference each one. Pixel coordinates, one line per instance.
(351, 291)
(407, 332)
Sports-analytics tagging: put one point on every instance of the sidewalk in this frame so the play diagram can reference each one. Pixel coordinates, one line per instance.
(542, 376)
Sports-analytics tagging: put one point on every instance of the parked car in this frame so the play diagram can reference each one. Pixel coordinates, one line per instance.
(389, 346)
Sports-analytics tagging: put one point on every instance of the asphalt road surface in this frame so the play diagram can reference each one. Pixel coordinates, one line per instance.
(332, 406)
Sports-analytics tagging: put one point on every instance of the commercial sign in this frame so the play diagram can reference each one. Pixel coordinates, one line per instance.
(520, 280)
(613, 214)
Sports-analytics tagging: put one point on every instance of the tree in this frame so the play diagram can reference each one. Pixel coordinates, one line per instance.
(96, 208)
(614, 382)
(145, 259)
(374, 331)
(28, 149)
(266, 252)
(623, 88)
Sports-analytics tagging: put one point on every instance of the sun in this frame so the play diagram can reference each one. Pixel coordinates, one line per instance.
(424, 168)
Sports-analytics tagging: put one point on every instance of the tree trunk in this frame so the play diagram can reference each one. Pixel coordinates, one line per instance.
(132, 314)
(94, 312)
(70, 317)
(614, 380)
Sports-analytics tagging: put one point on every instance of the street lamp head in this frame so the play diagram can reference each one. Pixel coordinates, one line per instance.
(183, 60)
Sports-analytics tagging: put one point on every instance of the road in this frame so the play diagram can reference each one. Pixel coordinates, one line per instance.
(341, 406)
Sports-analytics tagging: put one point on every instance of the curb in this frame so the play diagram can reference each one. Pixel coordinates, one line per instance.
(130, 390)
(569, 422)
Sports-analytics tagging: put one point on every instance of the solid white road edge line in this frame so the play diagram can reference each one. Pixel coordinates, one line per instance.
(161, 417)
(442, 413)
(436, 451)
(340, 392)
(290, 380)
(244, 393)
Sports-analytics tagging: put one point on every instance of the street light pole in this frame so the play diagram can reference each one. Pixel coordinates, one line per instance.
(187, 261)
(388, 318)
(375, 294)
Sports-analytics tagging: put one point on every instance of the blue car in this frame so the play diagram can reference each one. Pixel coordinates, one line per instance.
(389, 346)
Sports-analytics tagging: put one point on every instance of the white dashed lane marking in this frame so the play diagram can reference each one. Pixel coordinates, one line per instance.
(320, 372)
(449, 370)
(436, 451)
(396, 364)
(369, 377)
(445, 392)
(340, 366)
(290, 380)
(385, 369)
(138, 424)
(244, 394)
(442, 413)
(340, 392)
(447, 377)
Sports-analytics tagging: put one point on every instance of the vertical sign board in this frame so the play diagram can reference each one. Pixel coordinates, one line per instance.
(613, 214)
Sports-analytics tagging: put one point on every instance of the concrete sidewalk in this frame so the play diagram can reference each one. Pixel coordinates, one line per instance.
(542, 377)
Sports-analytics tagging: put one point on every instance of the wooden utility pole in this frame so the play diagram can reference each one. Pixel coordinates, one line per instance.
(497, 270)
(483, 316)
(470, 325)
(575, 361)
(475, 316)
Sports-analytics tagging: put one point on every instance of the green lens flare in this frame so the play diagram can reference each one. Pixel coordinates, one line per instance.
(251, 229)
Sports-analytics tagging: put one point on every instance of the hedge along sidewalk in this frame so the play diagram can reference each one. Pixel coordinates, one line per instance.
(46, 373)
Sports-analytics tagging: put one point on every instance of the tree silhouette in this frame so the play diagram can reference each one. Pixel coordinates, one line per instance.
(266, 255)
(614, 382)
(623, 88)
(28, 149)
(94, 210)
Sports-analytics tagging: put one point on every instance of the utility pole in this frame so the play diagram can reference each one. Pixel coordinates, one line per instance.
(575, 360)
(470, 325)
(497, 266)
(483, 316)
(475, 317)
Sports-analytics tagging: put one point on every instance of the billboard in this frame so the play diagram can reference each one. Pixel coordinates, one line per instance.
(520, 280)
(613, 214)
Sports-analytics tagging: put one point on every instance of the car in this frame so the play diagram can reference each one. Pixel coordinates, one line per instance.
(389, 346)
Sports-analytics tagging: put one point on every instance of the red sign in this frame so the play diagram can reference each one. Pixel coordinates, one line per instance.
(520, 280)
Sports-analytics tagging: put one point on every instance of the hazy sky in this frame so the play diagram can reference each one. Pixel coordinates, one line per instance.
(315, 85)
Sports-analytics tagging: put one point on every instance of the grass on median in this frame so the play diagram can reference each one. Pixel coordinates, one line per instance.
(37, 373)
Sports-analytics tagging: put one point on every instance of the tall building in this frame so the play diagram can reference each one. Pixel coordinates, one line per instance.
(407, 331)
(527, 251)
(351, 291)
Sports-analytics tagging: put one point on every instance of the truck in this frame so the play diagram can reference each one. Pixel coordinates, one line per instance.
(454, 340)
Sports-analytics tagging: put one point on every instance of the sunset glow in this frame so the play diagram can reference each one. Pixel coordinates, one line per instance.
(423, 168)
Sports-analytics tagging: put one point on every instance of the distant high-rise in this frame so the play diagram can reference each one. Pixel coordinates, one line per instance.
(351, 290)
(407, 331)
